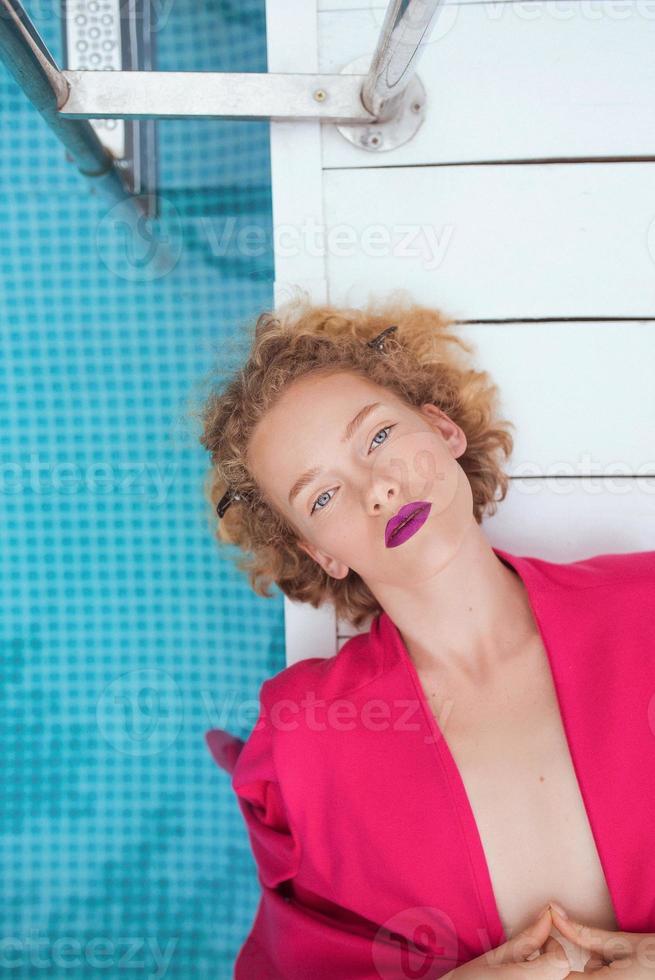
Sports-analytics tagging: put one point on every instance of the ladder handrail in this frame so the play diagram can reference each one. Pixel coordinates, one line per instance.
(28, 59)
(67, 100)
(399, 47)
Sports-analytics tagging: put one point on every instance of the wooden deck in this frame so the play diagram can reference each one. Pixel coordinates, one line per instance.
(525, 208)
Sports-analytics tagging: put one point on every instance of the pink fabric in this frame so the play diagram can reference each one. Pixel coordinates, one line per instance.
(368, 854)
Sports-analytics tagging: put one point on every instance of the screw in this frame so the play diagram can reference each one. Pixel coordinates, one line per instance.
(372, 139)
(320, 95)
(416, 106)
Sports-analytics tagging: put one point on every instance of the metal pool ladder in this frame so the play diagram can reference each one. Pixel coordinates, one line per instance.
(377, 108)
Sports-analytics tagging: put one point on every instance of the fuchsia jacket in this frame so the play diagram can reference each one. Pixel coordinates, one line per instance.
(368, 854)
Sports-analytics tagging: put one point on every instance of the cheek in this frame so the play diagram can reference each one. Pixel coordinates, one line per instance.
(343, 535)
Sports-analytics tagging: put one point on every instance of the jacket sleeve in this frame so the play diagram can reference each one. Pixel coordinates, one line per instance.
(296, 934)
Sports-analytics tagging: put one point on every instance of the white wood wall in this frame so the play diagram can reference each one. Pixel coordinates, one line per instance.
(525, 208)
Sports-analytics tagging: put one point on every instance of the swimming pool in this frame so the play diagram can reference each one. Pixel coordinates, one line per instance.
(125, 634)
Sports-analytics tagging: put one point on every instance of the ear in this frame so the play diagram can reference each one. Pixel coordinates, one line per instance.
(450, 431)
(337, 569)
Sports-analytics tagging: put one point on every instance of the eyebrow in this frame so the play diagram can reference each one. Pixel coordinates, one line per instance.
(351, 429)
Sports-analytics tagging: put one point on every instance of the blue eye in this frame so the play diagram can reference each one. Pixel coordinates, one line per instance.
(386, 429)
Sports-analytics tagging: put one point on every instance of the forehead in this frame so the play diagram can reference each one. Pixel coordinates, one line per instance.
(336, 390)
(305, 426)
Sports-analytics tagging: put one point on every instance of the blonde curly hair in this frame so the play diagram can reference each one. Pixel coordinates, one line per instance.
(423, 361)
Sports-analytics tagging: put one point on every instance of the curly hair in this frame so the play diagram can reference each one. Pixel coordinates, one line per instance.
(424, 361)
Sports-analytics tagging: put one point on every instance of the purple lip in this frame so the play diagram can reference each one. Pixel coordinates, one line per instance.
(415, 514)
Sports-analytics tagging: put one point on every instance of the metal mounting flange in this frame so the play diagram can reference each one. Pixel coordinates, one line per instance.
(380, 136)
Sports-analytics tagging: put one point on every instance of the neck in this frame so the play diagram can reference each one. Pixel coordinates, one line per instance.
(473, 612)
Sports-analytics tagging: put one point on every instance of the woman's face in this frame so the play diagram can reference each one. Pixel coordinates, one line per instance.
(396, 455)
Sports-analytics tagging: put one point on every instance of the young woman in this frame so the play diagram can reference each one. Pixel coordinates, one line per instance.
(488, 745)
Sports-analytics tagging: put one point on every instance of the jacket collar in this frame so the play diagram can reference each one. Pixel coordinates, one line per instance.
(384, 633)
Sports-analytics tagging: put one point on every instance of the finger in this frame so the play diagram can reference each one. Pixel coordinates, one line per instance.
(594, 963)
(601, 971)
(550, 944)
(553, 964)
(519, 947)
(603, 941)
(553, 944)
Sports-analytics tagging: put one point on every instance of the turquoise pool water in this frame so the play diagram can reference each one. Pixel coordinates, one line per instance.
(124, 633)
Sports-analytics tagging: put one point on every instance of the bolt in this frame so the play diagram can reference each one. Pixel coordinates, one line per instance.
(372, 139)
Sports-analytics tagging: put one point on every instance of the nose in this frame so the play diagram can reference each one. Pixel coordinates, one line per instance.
(383, 494)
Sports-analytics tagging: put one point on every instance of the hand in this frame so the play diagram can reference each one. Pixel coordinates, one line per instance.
(532, 954)
(634, 950)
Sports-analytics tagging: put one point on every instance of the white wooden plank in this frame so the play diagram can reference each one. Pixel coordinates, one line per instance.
(565, 520)
(379, 6)
(579, 393)
(297, 197)
(489, 242)
(296, 179)
(309, 632)
(513, 81)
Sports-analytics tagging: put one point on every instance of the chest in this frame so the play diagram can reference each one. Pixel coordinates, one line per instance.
(508, 742)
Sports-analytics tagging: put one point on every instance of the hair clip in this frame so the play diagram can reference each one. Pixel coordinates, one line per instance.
(226, 500)
(378, 342)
